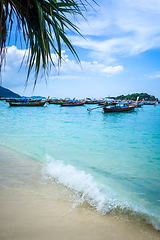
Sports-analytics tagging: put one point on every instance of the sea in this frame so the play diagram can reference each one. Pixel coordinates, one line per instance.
(108, 162)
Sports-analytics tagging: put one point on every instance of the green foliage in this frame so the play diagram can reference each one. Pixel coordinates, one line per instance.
(42, 24)
(134, 96)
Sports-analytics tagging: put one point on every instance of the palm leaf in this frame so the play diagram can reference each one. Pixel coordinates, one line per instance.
(41, 24)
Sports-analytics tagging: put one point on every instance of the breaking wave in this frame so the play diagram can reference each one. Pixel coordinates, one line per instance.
(102, 198)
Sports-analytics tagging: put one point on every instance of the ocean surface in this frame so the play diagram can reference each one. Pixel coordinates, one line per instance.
(109, 161)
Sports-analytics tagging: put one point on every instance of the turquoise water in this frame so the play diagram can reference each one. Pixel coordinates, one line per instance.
(111, 160)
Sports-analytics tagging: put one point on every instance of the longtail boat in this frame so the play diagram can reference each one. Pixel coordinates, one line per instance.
(72, 103)
(104, 102)
(27, 104)
(150, 102)
(91, 101)
(55, 101)
(119, 107)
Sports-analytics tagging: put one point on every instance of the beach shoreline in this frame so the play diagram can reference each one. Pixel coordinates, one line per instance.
(27, 214)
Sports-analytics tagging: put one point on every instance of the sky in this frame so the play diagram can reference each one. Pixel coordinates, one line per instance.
(119, 54)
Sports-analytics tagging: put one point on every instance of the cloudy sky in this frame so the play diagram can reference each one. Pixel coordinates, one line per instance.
(120, 54)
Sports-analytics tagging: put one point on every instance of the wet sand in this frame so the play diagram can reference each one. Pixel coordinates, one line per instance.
(29, 215)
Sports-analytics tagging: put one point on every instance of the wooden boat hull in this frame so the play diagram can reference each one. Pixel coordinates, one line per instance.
(72, 104)
(104, 103)
(53, 102)
(118, 109)
(91, 102)
(150, 103)
(27, 104)
(101, 103)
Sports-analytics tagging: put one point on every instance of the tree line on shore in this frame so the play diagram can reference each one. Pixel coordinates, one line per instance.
(142, 96)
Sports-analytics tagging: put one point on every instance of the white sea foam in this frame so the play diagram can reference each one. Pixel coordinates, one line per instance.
(77, 181)
(103, 199)
(80, 182)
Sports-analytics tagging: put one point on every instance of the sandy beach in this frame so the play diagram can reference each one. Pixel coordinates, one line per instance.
(31, 215)
(24, 215)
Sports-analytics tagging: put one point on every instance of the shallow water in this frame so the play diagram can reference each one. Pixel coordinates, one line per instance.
(112, 160)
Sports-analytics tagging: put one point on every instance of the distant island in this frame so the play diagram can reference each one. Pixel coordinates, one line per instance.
(134, 96)
(6, 93)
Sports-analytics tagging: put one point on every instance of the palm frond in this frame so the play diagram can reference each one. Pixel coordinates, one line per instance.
(42, 25)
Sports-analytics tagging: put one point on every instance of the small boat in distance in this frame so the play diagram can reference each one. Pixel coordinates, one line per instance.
(150, 102)
(55, 101)
(91, 101)
(28, 103)
(72, 103)
(104, 102)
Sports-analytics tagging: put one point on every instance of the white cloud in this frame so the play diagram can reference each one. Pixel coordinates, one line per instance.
(154, 75)
(121, 27)
(89, 69)
(113, 70)
(157, 76)
(14, 58)
(13, 77)
(12, 74)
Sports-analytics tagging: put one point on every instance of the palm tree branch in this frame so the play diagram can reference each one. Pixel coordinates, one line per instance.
(42, 25)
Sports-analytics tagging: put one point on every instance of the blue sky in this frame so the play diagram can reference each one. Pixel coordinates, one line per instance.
(119, 55)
